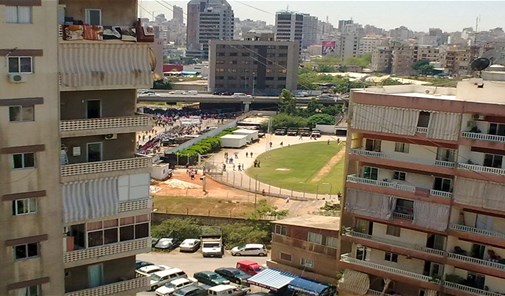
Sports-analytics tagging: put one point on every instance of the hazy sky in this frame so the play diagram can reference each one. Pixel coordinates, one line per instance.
(416, 15)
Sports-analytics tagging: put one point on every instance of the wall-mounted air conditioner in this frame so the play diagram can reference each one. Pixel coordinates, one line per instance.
(17, 78)
(110, 137)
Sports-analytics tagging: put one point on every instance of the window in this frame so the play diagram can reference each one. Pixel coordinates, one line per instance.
(285, 257)
(18, 14)
(442, 184)
(20, 65)
(393, 230)
(370, 173)
(315, 238)
(113, 231)
(391, 257)
(402, 147)
(28, 291)
(93, 17)
(24, 206)
(399, 176)
(496, 129)
(26, 251)
(373, 145)
(331, 242)
(307, 262)
(23, 160)
(424, 119)
(21, 113)
(445, 154)
(493, 160)
(281, 229)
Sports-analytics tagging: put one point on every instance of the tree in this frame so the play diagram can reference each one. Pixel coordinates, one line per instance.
(264, 209)
(325, 119)
(390, 81)
(177, 228)
(326, 68)
(162, 84)
(287, 102)
(423, 67)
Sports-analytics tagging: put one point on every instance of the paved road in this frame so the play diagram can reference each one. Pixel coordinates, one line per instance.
(193, 262)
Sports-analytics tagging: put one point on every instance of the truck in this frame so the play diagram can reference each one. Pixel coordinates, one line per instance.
(212, 241)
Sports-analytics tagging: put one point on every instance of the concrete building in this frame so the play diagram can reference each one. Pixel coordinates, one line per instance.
(349, 40)
(259, 35)
(457, 59)
(429, 53)
(289, 26)
(253, 67)
(424, 210)
(310, 30)
(381, 59)
(76, 207)
(207, 20)
(177, 14)
(368, 44)
(403, 58)
(306, 246)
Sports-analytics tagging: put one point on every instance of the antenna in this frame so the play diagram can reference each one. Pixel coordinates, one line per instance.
(480, 64)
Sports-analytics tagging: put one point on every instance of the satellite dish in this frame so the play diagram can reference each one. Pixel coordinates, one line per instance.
(480, 64)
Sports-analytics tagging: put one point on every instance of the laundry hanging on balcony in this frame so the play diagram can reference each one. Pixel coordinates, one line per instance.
(354, 282)
(369, 203)
(431, 215)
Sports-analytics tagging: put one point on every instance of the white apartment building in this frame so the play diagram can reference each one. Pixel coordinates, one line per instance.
(289, 26)
(368, 44)
(424, 208)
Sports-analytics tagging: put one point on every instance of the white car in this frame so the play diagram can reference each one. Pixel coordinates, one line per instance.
(147, 270)
(189, 245)
(160, 278)
(171, 287)
(249, 250)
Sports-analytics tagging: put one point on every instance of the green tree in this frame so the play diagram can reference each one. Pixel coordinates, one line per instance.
(313, 107)
(390, 81)
(287, 102)
(326, 68)
(237, 234)
(285, 120)
(321, 119)
(177, 228)
(162, 84)
(265, 210)
(423, 67)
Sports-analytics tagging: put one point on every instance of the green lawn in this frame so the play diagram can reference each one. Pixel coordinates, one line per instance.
(295, 168)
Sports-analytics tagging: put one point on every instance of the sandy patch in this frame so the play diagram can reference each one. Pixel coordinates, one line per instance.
(174, 183)
(330, 164)
(282, 169)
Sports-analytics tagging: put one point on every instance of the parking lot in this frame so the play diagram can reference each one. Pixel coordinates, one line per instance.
(194, 262)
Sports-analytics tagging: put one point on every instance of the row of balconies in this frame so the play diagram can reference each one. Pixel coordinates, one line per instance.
(101, 126)
(107, 166)
(303, 244)
(139, 283)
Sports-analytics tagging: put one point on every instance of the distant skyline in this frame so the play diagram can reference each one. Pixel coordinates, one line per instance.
(416, 15)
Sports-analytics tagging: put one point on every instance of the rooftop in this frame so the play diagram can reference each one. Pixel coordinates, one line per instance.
(312, 221)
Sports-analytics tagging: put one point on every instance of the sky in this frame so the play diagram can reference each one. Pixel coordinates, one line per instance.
(416, 15)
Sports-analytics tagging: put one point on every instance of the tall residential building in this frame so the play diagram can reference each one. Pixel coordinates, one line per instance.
(424, 207)
(381, 59)
(403, 58)
(76, 207)
(289, 26)
(207, 20)
(310, 30)
(349, 40)
(368, 44)
(31, 227)
(343, 23)
(254, 67)
(177, 14)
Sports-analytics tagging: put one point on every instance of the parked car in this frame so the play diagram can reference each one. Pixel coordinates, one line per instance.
(227, 290)
(170, 287)
(241, 95)
(191, 291)
(232, 274)
(140, 264)
(304, 131)
(166, 244)
(150, 269)
(249, 267)
(280, 131)
(315, 134)
(292, 131)
(249, 250)
(160, 278)
(190, 245)
(154, 241)
(210, 278)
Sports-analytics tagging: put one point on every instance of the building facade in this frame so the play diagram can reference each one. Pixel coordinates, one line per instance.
(77, 205)
(381, 59)
(289, 26)
(310, 30)
(207, 20)
(306, 246)
(253, 67)
(368, 44)
(423, 208)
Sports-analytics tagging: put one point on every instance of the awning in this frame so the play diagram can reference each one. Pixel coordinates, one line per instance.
(307, 286)
(355, 282)
(271, 279)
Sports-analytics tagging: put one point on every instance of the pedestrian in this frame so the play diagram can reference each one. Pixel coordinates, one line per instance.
(287, 199)
(234, 167)
(224, 167)
(236, 154)
(301, 137)
(328, 141)
(247, 154)
(251, 154)
(259, 163)
(338, 141)
(192, 175)
(282, 144)
(270, 145)
(255, 163)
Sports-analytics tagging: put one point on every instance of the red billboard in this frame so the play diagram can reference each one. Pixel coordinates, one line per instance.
(328, 47)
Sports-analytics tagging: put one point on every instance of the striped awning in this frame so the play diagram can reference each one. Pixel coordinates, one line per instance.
(355, 282)
(104, 65)
(271, 279)
(307, 286)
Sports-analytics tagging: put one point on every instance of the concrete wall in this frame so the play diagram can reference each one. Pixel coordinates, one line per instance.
(413, 237)
(120, 148)
(113, 102)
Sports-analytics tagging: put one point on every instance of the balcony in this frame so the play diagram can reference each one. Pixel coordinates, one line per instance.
(401, 244)
(346, 258)
(482, 169)
(102, 126)
(368, 153)
(305, 245)
(477, 261)
(470, 290)
(421, 130)
(386, 184)
(93, 168)
(477, 231)
(133, 246)
(439, 193)
(140, 283)
(446, 164)
(483, 137)
(135, 205)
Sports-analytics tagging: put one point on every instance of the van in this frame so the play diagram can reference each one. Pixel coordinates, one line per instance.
(249, 267)
(160, 278)
(192, 92)
(227, 290)
(249, 250)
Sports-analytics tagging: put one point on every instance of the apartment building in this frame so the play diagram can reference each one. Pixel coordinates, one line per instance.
(253, 67)
(403, 58)
(381, 59)
(310, 30)
(457, 59)
(289, 27)
(76, 207)
(424, 210)
(368, 44)
(306, 246)
(30, 213)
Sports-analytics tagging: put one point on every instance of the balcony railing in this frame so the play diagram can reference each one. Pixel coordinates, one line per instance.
(446, 164)
(477, 261)
(439, 193)
(422, 130)
(481, 168)
(368, 153)
(439, 163)
(106, 250)
(395, 243)
(105, 166)
(105, 123)
(472, 290)
(403, 216)
(387, 184)
(478, 231)
(302, 244)
(135, 205)
(123, 287)
(346, 258)
(483, 137)
(376, 293)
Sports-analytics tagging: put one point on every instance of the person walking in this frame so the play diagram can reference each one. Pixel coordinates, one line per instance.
(328, 141)
(270, 145)
(259, 163)
(247, 154)
(251, 154)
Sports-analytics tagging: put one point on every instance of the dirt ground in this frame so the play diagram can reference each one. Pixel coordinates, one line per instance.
(182, 185)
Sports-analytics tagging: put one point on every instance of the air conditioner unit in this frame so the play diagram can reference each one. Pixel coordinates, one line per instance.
(17, 78)
(110, 136)
(478, 117)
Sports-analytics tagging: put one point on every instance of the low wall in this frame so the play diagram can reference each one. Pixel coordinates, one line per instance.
(326, 129)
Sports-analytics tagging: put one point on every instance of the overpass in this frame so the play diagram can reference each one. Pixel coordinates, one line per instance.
(165, 96)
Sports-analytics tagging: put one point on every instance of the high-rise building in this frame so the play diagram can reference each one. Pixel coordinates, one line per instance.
(75, 198)
(310, 30)
(424, 207)
(403, 58)
(177, 14)
(349, 40)
(207, 20)
(289, 26)
(343, 23)
(381, 59)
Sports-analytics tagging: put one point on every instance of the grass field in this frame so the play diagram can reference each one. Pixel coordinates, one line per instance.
(202, 206)
(298, 168)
